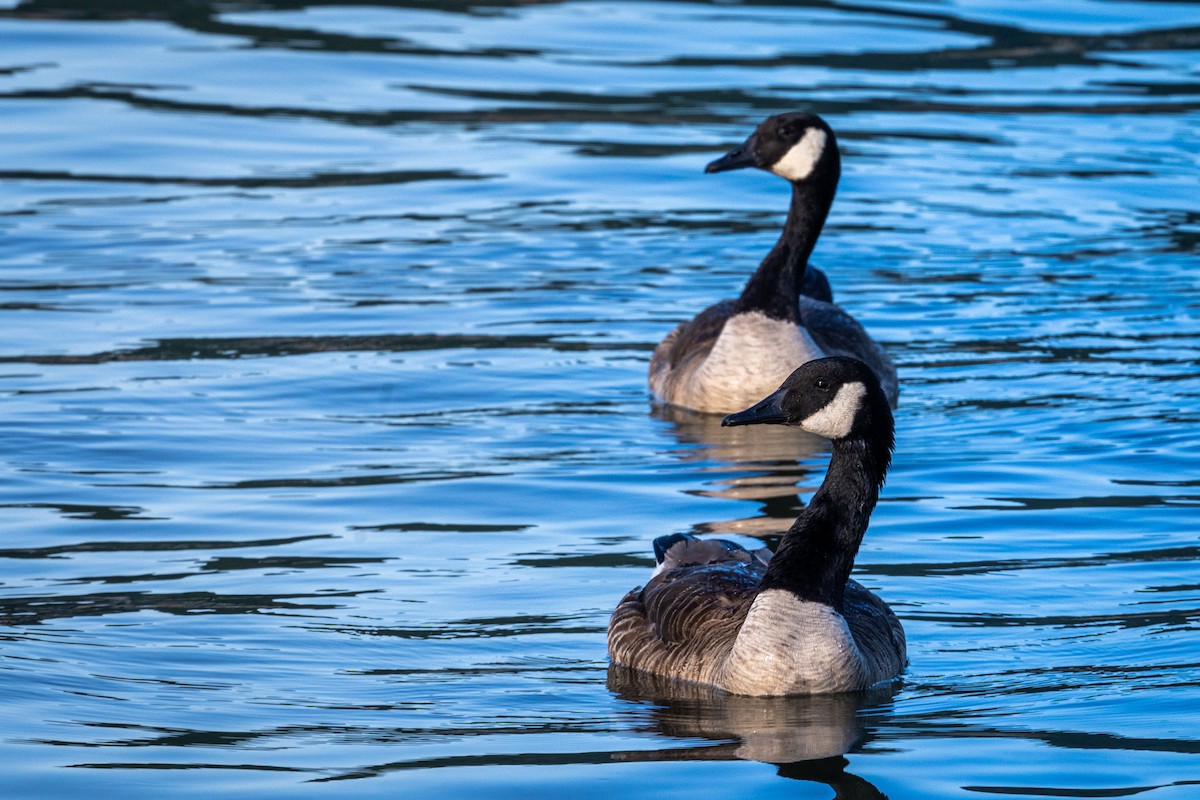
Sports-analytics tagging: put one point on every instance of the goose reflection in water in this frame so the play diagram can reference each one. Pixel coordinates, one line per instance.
(754, 462)
(805, 736)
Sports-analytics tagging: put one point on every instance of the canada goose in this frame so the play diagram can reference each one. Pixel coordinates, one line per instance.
(736, 351)
(795, 624)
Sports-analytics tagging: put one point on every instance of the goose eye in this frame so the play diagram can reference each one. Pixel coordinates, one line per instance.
(785, 131)
(822, 383)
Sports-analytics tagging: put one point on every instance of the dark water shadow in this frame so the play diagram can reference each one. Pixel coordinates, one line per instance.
(805, 736)
(34, 610)
(204, 349)
(322, 180)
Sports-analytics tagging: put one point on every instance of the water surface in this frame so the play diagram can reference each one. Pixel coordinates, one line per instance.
(326, 443)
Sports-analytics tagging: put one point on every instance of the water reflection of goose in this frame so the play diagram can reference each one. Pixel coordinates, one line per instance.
(753, 463)
(805, 736)
(735, 352)
(799, 624)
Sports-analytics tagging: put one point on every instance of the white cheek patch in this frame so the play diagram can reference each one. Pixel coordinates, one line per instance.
(835, 420)
(799, 162)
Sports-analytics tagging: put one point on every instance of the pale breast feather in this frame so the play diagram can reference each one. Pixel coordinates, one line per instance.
(753, 355)
(792, 646)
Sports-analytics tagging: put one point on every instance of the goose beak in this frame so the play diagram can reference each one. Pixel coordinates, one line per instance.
(766, 411)
(738, 158)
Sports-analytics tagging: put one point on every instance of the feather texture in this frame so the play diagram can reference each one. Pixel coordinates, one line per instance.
(684, 373)
(685, 623)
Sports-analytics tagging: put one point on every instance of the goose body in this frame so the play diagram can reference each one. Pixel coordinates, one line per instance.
(716, 614)
(738, 350)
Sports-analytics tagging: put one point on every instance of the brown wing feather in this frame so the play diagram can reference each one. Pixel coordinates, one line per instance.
(683, 623)
(876, 630)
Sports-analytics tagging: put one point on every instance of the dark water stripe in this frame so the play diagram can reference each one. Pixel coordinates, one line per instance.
(189, 737)
(191, 766)
(500, 628)
(678, 108)
(920, 570)
(324, 483)
(1036, 50)
(1059, 503)
(260, 346)
(1181, 618)
(319, 180)
(84, 511)
(1012, 46)
(591, 561)
(901, 729)
(34, 610)
(443, 527)
(530, 759)
(226, 564)
(1047, 791)
(648, 113)
(151, 546)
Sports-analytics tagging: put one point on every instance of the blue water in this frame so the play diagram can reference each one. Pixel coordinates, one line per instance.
(326, 441)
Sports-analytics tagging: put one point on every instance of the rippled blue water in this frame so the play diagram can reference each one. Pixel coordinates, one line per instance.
(326, 442)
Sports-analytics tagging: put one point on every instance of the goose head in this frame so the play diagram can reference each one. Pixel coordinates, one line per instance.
(795, 146)
(837, 398)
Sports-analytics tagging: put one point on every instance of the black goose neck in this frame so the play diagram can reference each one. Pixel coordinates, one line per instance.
(816, 555)
(774, 287)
